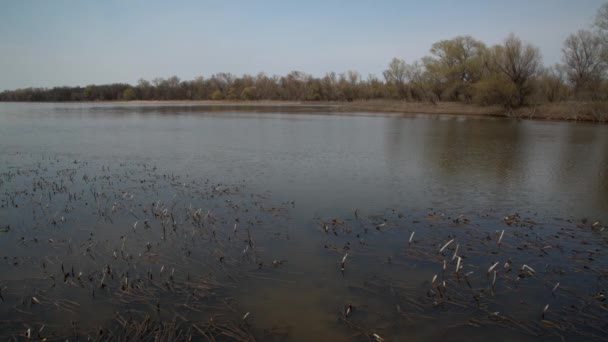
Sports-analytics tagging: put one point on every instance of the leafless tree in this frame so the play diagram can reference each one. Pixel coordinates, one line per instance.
(519, 62)
(396, 76)
(601, 18)
(583, 57)
(551, 83)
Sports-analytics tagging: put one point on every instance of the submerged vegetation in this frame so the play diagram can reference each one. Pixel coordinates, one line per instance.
(99, 252)
(461, 69)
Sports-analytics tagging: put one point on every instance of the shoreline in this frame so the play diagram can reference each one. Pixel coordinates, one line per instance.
(591, 112)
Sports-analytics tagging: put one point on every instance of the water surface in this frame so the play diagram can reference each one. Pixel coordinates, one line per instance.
(304, 188)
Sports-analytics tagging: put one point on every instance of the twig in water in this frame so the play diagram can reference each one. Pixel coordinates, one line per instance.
(545, 310)
(103, 277)
(524, 267)
(249, 239)
(446, 245)
(466, 278)
(377, 338)
(555, 289)
(455, 252)
(344, 261)
(492, 268)
(347, 310)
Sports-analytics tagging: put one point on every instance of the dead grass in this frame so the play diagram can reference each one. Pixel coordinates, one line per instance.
(560, 111)
(217, 102)
(569, 111)
(421, 107)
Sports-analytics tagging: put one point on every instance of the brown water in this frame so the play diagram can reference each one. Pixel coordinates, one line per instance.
(74, 179)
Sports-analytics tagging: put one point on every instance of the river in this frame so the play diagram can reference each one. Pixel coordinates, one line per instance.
(274, 219)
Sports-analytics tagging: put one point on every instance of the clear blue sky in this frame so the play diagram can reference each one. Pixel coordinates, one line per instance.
(47, 43)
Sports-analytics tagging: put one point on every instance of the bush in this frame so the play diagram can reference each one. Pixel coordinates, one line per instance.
(128, 94)
(217, 95)
(248, 94)
(496, 91)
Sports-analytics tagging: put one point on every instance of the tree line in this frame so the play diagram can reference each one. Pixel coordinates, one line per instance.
(462, 69)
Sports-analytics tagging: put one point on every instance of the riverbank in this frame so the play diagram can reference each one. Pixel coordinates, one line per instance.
(560, 111)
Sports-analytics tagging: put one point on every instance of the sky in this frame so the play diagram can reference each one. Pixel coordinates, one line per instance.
(72, 42)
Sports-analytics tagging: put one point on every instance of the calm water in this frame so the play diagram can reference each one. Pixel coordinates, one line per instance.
(303, 188)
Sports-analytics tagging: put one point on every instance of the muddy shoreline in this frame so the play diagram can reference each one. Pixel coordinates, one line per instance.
(592, 112)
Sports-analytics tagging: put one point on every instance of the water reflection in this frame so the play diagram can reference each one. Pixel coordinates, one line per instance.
(501, 163)
(392, 159)
(297, 171)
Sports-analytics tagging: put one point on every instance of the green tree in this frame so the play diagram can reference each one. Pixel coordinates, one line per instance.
(89, 92)
(217, 95)
(494, 89)
(248, 93)
(455, 65)
(128, 94)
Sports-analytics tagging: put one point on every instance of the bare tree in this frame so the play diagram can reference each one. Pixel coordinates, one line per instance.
(601, 18)
(396, 72)
(601, 24)
(419, 82)
(551, 83)
(583, 56)
(519, 62)
(396, 75)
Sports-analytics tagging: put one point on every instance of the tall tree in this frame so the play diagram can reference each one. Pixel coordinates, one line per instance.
(396, 76)
(584, 59)
(519, 62)
(457, 64)
(601, 18)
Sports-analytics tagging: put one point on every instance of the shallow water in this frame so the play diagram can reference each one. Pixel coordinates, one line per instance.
(74, 179)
